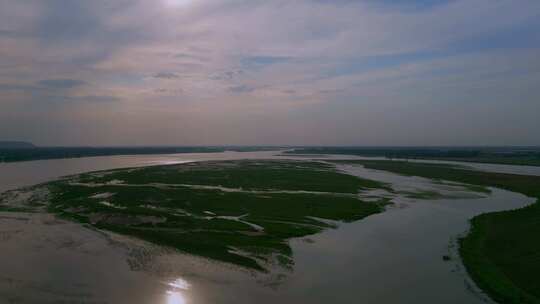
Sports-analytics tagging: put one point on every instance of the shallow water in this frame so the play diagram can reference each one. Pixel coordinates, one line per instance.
(392, 257)
(499, 168)
(20, 174)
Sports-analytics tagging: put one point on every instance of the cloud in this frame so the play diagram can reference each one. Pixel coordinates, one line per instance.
(242, 89)
(9, 34)
(166, 75)
(226, 75)
(94, 98)
(262, 61)
(61, 83)
(214, 72)
(16, 87)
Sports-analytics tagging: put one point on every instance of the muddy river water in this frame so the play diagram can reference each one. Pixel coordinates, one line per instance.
(392, 257)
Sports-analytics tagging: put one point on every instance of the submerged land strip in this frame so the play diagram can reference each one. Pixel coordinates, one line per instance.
(527, 156)
(502, 250)
(20, 151)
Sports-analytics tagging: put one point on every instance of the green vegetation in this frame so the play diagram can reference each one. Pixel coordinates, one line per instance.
(15, 209)
(502, 250)
(241, 212)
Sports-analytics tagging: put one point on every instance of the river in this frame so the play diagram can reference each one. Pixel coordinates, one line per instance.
(391, 257)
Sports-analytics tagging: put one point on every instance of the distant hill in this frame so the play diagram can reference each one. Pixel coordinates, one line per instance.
(15, 145)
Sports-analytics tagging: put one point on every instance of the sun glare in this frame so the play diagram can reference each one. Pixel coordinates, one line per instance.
(177, 3)
(174, 297)
(175, 293)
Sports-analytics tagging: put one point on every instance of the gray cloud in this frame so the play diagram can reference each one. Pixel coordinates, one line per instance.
(95, 98)
(61, 83)
(242, 89)
(226, 75)
(9, 34)
(166, 75)
(17, 87)
(61, 100)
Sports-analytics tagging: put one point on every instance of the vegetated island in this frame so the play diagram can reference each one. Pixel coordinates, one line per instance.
(502, 250)
(496, 155)
(240, 212)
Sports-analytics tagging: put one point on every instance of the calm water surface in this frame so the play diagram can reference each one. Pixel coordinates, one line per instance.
(19, 174)
(392, 257)
(500, 168)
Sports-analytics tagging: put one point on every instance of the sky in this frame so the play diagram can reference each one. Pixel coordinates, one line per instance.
(270, 72)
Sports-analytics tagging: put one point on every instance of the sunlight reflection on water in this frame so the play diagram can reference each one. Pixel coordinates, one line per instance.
(174, 297)
(175, 294)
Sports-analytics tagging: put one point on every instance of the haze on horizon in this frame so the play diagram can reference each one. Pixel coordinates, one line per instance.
(306, 72)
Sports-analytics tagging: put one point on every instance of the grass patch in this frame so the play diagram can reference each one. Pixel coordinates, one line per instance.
(247, 223)
(16, 209)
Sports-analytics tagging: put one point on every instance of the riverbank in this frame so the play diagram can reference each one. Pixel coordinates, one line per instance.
(502, 249)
